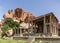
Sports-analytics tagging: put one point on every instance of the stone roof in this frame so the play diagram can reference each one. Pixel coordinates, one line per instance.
(51, 13)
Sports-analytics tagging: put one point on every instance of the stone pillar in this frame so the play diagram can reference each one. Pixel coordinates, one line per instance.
(55, 30)
(45, 30)
(34, 28)
(17, 31)
(50, 25)
(20, 32)
(14, 31)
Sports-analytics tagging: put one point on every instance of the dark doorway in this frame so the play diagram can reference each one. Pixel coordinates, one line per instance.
(58, 32)
(40, 27)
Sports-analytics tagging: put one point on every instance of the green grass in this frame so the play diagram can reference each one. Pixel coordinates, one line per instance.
(43, 42)
(12, 41)
(21, 41)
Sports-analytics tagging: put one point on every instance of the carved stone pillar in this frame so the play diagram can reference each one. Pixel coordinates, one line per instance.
(20, 32)
(14, 31)
(44, 29)
(55, 29)
(50, 25)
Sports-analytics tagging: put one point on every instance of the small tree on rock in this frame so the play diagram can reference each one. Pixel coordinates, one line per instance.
(8, 24)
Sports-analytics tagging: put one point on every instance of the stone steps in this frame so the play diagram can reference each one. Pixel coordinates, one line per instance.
(31, 39)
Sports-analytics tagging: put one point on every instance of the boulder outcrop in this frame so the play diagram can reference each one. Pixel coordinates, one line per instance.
(19, 15)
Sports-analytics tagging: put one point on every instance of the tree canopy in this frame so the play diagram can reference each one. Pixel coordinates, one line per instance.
(11, 23)
(8, 24)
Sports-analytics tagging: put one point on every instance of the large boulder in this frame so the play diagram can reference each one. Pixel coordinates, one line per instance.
(25, 25)
(9, 32)
(9, 14)
(0, 31)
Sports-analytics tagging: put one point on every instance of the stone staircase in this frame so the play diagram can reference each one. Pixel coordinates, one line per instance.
(31, 39)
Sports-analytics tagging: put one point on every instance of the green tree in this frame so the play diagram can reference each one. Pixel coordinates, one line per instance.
(11, 23)
(8, 24)
(4, 29)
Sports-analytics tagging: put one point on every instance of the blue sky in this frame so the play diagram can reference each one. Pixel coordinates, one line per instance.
(37, 7)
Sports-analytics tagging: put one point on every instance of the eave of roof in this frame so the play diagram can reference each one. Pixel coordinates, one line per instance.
(51, 13)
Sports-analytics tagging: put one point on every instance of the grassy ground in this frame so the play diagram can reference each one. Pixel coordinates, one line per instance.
(12, 41)
(43, 42)
(22, 41)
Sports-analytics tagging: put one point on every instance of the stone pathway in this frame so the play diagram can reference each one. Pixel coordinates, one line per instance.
(31, 39)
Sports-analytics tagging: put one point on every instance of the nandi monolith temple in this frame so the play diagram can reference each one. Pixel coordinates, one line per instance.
(30, 25)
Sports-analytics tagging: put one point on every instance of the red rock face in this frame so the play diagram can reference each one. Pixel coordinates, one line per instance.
(19, 12)
(23, 16)
(29, 17)
(9, 14)
(19, 15)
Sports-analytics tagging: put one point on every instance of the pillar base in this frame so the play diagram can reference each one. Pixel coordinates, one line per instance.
(21, 35)
(54, 35)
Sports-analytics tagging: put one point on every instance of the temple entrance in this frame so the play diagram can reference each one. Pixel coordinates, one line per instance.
(40, 27)
(58, 32)
(19, 32)
(16, 32)
(48, 29)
